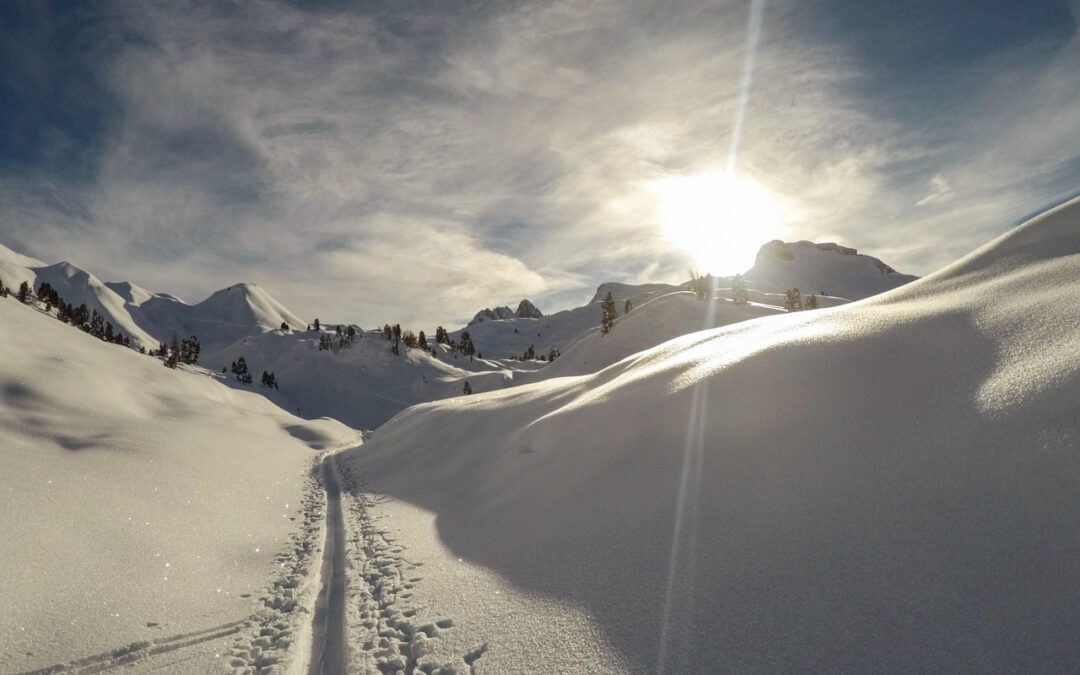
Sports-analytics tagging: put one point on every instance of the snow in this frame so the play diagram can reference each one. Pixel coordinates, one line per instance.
(825, 268)
(653, 322)
(141, 504)
(508, 338)
(888, 485)
(148, 318)
(362, 385)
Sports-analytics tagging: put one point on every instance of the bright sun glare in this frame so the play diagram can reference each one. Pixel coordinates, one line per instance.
(721, 219)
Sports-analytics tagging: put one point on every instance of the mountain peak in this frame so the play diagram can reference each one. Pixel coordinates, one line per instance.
(827, 268)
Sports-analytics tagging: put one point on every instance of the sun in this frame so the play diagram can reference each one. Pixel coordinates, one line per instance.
(721, 219)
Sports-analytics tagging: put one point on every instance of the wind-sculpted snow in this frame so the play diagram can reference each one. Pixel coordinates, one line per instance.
(887, 486)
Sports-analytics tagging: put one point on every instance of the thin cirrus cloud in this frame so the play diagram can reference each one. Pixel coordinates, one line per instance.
(381, 162)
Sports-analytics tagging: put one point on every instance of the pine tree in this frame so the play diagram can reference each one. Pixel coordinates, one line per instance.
(240, 370)
(738, 290)
(284, 327)
(189, 350)
(529, 354)
(467, 346)
(397, 331)
(324, 343)
(811, 302)
(387, 332)
(421, 341)
(338, 331)
(627, 306)
(466, 388)
(553, 354)
(24, 292)
(350, 333)
(607, 314)
(792, 300)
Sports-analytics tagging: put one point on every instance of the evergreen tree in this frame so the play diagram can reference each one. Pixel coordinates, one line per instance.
(607, 314)
(421, 341)
(338, 331)
(284, 327)
(466, 388)
(350, 333)
(324, 343)
(792, 300)
(189, 350)
(171, 359)
(394, 349)
(387, 332)
(240, 370)
(627, 306)
(553, 354)
(529, 354)
(24, 292)
(811, 302)
(397, 331)
(441, 336)
(3, 289)
(738, 290)
(467, 346)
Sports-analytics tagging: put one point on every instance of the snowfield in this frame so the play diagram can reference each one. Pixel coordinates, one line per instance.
(146, 512)
(886, 486)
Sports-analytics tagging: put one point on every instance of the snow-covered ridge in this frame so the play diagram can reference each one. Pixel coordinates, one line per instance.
(881, 486)
(823, 268)
(148, 318)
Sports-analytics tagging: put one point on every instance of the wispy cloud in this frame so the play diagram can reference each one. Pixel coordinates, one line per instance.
(381, 164)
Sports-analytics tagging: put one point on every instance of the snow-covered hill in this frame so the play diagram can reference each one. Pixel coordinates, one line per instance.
(144, 508)
(825, 269)
(655, 321)
(510, 337)
(362, 385)
(887, 486)
(148, 318)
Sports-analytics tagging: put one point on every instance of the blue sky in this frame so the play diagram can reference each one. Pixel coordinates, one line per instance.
(410, 161)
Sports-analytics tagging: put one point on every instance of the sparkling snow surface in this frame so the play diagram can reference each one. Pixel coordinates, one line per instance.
(886, 486)
(138, 503)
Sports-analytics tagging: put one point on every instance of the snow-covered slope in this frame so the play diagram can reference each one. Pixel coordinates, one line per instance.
(15, 268)
(887, 486)
(151, 318)
(825, 269)
(362, 385)
(653, 322)
(508, 338)
(144, 509)
(233, 313)
(77, 286)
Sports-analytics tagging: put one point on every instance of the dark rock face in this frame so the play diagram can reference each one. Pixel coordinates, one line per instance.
(527, 310)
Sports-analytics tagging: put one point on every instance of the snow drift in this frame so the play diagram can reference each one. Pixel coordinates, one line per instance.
(887, 486)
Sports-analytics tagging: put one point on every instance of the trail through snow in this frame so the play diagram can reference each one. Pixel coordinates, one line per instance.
(330, 652)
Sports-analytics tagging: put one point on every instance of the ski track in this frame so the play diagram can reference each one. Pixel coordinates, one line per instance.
(330, 653)
(349, 602)
(384, 633)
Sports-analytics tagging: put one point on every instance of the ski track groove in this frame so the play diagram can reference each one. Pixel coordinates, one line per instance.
(385, 637)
